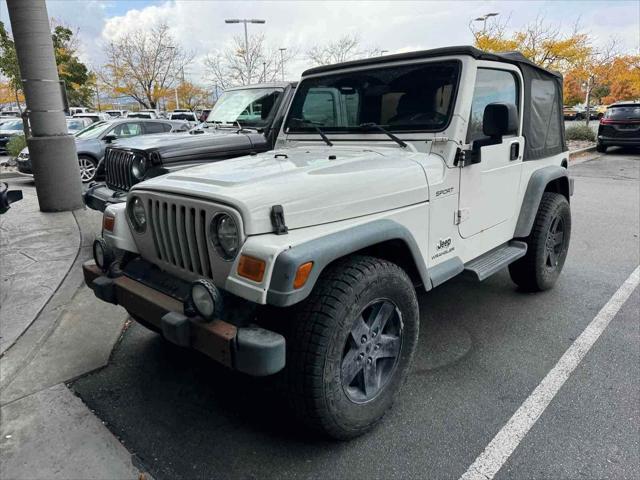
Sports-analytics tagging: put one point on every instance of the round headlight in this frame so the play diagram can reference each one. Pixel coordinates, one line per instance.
(139, 167)
(137, 215)
(225, 236)
(206, 299)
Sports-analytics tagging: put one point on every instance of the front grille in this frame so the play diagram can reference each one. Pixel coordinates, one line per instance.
(117, 164)
(180, 235)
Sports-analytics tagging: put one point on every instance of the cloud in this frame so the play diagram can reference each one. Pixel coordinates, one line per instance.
(397, 26)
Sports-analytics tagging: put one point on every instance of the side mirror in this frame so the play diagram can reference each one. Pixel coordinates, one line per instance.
(500, 119)
(109, 138)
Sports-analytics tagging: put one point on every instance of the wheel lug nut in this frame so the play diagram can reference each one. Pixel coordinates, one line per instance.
(377, 347)
(361, 356)
(369, 360)
(363, 339)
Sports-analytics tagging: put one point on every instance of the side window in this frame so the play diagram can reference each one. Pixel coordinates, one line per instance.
(156, 127)
(127, 129)
(491, 86)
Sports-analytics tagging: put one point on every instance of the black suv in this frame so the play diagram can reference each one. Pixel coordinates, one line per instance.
(620, 126)
(244, 120)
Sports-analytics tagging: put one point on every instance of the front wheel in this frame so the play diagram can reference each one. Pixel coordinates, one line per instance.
(88, 168)
(547, 244)
(351, 346)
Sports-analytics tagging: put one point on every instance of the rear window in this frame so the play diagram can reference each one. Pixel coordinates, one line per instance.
(623, 113)
(183, 116)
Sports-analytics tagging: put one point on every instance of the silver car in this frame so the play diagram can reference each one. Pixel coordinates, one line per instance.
(92, 141)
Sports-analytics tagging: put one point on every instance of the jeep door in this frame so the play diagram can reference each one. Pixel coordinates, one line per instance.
(489, 188)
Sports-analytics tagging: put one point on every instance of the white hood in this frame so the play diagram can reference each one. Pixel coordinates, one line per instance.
(314, 185)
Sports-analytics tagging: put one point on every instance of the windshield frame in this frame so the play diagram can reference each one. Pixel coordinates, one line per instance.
(235, 123)
(288, 129)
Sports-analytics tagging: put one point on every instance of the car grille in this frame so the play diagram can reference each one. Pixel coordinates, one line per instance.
(179, 234)
(117, 164)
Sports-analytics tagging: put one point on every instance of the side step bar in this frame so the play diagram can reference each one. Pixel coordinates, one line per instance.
(495, 260)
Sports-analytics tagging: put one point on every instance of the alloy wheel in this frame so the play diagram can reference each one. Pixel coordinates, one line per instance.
(87, 169)
(371, 351)
(554, 244)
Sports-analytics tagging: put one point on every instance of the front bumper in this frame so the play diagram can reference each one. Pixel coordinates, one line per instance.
(252, 350)
(619, 141)
(99, 196)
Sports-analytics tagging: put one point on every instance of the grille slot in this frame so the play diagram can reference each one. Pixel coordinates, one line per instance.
(118, 168)
(180, 236)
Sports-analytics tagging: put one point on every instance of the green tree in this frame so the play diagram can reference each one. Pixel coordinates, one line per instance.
(79, 81)
(9, 62)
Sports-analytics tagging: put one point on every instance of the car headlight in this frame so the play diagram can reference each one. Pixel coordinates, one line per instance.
(137, 214)
(225, 236)
(139, 167)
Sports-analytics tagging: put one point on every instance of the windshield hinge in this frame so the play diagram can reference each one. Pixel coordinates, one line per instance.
(277, 220)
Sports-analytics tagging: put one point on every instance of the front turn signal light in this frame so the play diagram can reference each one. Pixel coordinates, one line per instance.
(252, 268)
(302, 275)
(108, 222)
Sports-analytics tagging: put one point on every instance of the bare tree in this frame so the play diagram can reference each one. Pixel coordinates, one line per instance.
(232, 65)
(346, 48)
(144, 65)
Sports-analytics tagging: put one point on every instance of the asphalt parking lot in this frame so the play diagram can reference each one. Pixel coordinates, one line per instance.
(483, 348)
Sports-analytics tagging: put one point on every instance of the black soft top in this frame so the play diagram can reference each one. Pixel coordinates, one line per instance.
(515, 58)
(543, 125)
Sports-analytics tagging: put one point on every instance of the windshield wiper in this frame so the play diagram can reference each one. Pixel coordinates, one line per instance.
(317, 128)
(375, 126)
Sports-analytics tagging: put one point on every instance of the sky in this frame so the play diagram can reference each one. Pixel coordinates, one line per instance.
(396, 26)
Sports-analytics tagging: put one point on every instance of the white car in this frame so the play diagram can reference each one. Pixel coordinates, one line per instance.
(93, 116)
(391, 175)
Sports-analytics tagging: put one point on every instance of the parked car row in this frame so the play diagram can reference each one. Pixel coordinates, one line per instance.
(579, 112)
(92, 141)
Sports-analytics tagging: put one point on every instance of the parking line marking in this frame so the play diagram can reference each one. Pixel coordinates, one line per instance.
(494, 456)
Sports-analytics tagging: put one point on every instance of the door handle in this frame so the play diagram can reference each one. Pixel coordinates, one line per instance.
(514, 151)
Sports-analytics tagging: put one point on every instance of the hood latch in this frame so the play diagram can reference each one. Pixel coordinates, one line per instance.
(277, 220)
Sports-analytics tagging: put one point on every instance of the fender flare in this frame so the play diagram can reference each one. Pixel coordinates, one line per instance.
(324, 250)
(536, 187)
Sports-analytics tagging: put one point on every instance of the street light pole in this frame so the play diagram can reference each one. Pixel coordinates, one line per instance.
(282, 61)
(245, 21)
(483, 19)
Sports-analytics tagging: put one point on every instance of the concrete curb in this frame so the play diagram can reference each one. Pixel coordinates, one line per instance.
(574, 153)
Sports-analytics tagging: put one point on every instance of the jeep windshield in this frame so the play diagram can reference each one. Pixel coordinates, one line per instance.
(405, 98)
(251, 108)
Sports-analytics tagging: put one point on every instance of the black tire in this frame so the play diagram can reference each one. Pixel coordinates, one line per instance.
(321, 345)
(548, 245)
(88, 168)
(601, 148)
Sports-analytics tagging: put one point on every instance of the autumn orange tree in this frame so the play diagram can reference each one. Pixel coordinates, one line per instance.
(591, 74)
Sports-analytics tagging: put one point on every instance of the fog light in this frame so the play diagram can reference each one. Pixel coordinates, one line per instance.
(102, 254)
(206, 299)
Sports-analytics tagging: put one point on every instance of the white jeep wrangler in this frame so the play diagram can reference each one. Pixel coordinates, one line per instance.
(389, 174)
